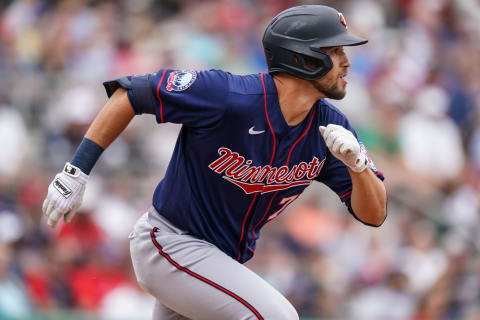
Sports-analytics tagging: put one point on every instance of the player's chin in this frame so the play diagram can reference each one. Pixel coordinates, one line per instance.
(336, 93)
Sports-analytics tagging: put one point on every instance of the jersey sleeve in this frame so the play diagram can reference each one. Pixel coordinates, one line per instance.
(335, 174)
(196, 99)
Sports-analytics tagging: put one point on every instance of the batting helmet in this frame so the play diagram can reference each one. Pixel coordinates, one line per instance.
(292, 40)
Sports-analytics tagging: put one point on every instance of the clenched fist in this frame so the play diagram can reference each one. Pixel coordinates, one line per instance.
(65, 194)
(344, 146)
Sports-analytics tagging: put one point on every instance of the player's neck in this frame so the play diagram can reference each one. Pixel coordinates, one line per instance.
(296, 97)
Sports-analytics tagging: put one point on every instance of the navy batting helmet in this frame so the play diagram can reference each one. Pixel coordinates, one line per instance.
(292, 40)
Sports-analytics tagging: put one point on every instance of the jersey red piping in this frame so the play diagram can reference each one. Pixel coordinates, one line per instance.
(158, 96)
(300, 138)
(345, 194)
(288, 160)
(271, 161)
(258, 223)
(268, 119)
(199, 277)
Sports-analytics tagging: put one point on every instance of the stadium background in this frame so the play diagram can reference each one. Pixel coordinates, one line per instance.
(413, 95)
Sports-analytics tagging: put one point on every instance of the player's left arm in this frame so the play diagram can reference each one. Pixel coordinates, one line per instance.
(368, 195)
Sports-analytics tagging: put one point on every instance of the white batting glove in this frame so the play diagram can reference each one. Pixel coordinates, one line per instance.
(65, 195)
(344, 146)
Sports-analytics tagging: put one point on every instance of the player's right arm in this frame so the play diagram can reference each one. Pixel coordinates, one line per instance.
(65, 192)
(196, 100)
(112, 119)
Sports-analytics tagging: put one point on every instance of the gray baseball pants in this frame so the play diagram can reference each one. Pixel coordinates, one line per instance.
(192, 279)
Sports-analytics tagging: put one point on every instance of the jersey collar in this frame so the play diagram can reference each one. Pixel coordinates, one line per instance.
(277, 120)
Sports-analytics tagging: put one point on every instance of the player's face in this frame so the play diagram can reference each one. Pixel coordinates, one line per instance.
(333, 84)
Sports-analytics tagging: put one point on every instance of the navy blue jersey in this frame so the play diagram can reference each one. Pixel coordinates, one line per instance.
(237, 164)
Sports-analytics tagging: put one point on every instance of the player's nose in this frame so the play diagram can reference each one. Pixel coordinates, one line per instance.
(345, 62)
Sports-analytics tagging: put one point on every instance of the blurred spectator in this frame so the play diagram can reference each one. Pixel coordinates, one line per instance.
(126, 303)
(389, 300)
(430, 141)
(421, 261)
(14, 302)
(14, 142)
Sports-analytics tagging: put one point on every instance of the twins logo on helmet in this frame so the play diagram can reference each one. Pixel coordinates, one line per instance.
(342, 20)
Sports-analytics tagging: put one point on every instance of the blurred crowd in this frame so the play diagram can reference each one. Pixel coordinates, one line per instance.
(413, 96)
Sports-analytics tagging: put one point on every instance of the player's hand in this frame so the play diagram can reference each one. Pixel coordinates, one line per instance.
(344, 146)
(65, 195)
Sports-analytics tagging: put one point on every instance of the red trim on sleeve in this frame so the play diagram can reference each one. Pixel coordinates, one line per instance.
(345, 194)
(199, 277)
(158, 96)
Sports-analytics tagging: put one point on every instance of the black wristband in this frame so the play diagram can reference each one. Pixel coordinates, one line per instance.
(86, 155)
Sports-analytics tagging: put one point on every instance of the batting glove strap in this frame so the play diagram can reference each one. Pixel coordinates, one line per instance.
(344, 146)
(65, 194)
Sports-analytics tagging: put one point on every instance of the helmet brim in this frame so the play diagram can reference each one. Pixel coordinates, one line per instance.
(344, 39)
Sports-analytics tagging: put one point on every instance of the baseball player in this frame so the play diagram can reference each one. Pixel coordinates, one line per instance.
(248, 147)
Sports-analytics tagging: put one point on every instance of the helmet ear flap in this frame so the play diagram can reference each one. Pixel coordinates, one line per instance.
(268, 55)
(307, 63)
(319, 66)
(297, 64)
